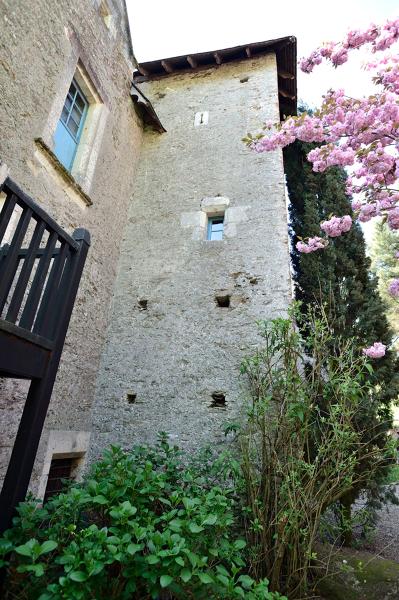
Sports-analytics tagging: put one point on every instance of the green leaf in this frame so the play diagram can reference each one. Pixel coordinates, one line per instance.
(205, 578)
(185, 575)
(36, 569)
(165, 501)
(128, 509)
(239, 591)
(223, 579)
(133, 548)
(179, 561)
(28, 548)
(194, 528)
(78, 576)
(193, 558)
(5, 546)
(246, 581)
(48, 546)
(100, 499)
(210, 520)
(152, 559)
(175, 524)
(240, 544)
(165, 580)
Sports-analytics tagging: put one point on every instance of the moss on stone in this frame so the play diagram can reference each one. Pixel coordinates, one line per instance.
(355, 575)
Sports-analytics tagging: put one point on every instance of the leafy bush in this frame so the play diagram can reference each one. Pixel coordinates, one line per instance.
(301, 445)
(393, 474)
(142, 525)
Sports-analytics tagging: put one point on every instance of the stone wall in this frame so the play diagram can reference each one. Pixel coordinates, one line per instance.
(169, 345)
(43, 45)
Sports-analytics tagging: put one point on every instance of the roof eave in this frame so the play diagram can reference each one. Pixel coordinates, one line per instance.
(284, 48)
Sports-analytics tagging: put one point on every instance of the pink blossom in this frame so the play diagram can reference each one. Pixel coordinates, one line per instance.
(379, 38)
(393, 218)
(356, 205)
(377, 350)
(367, 212)
(313, 244)
(336, 226)
(394, 288)
(359, 132)
(339, 57)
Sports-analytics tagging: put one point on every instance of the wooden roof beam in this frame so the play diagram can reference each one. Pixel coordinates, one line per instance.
(167, 66)
(218, 58)
(192, 62)
(143, 71)
(285, 94)
(285, 75)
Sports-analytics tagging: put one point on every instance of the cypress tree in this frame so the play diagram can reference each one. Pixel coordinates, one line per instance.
(385, 264)
(339, 278)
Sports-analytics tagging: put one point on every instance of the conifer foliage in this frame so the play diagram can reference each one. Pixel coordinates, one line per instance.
(340, 278)
(385, 264)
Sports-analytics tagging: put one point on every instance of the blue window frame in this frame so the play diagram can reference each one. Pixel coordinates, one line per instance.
(70, 126)
(215, 228)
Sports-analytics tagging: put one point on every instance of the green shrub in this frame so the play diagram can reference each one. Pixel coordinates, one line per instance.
(393, 474)
(142, 525)
(301, 447)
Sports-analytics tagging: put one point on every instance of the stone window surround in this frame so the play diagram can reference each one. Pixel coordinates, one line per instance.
(64, 444)
(80, 179)
(211, 207)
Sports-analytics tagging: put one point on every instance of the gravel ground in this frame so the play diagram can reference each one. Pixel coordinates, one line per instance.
(385, 540)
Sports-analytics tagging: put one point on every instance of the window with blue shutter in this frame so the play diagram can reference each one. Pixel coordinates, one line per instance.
(215, 228)
(70, 126)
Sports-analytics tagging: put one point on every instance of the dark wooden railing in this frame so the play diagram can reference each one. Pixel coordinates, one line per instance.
(40, 270)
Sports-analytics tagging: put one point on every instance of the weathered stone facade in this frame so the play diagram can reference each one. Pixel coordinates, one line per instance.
(43, 45)
(169, 345)
(165, 353)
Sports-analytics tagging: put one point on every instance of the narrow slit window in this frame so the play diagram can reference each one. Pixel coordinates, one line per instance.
(215, 228)
(70, 126)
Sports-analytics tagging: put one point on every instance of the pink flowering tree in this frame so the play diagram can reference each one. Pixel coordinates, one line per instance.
(360, 133)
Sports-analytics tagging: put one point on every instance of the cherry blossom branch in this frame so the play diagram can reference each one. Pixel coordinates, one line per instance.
(359, 133)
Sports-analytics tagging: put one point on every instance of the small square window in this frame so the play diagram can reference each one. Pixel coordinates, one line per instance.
(70, 126)
(215, 228)
(61, 471)
(201, 118)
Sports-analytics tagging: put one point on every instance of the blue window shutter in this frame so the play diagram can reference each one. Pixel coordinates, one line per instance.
(64, 146)
(215, 228)
(70, 126)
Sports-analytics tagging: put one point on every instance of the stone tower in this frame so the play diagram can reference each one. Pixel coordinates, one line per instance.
(185, 307)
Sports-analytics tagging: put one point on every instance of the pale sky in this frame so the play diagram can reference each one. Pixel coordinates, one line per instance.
(161, 29)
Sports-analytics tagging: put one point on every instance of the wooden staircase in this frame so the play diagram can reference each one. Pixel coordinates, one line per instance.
(40, 270)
